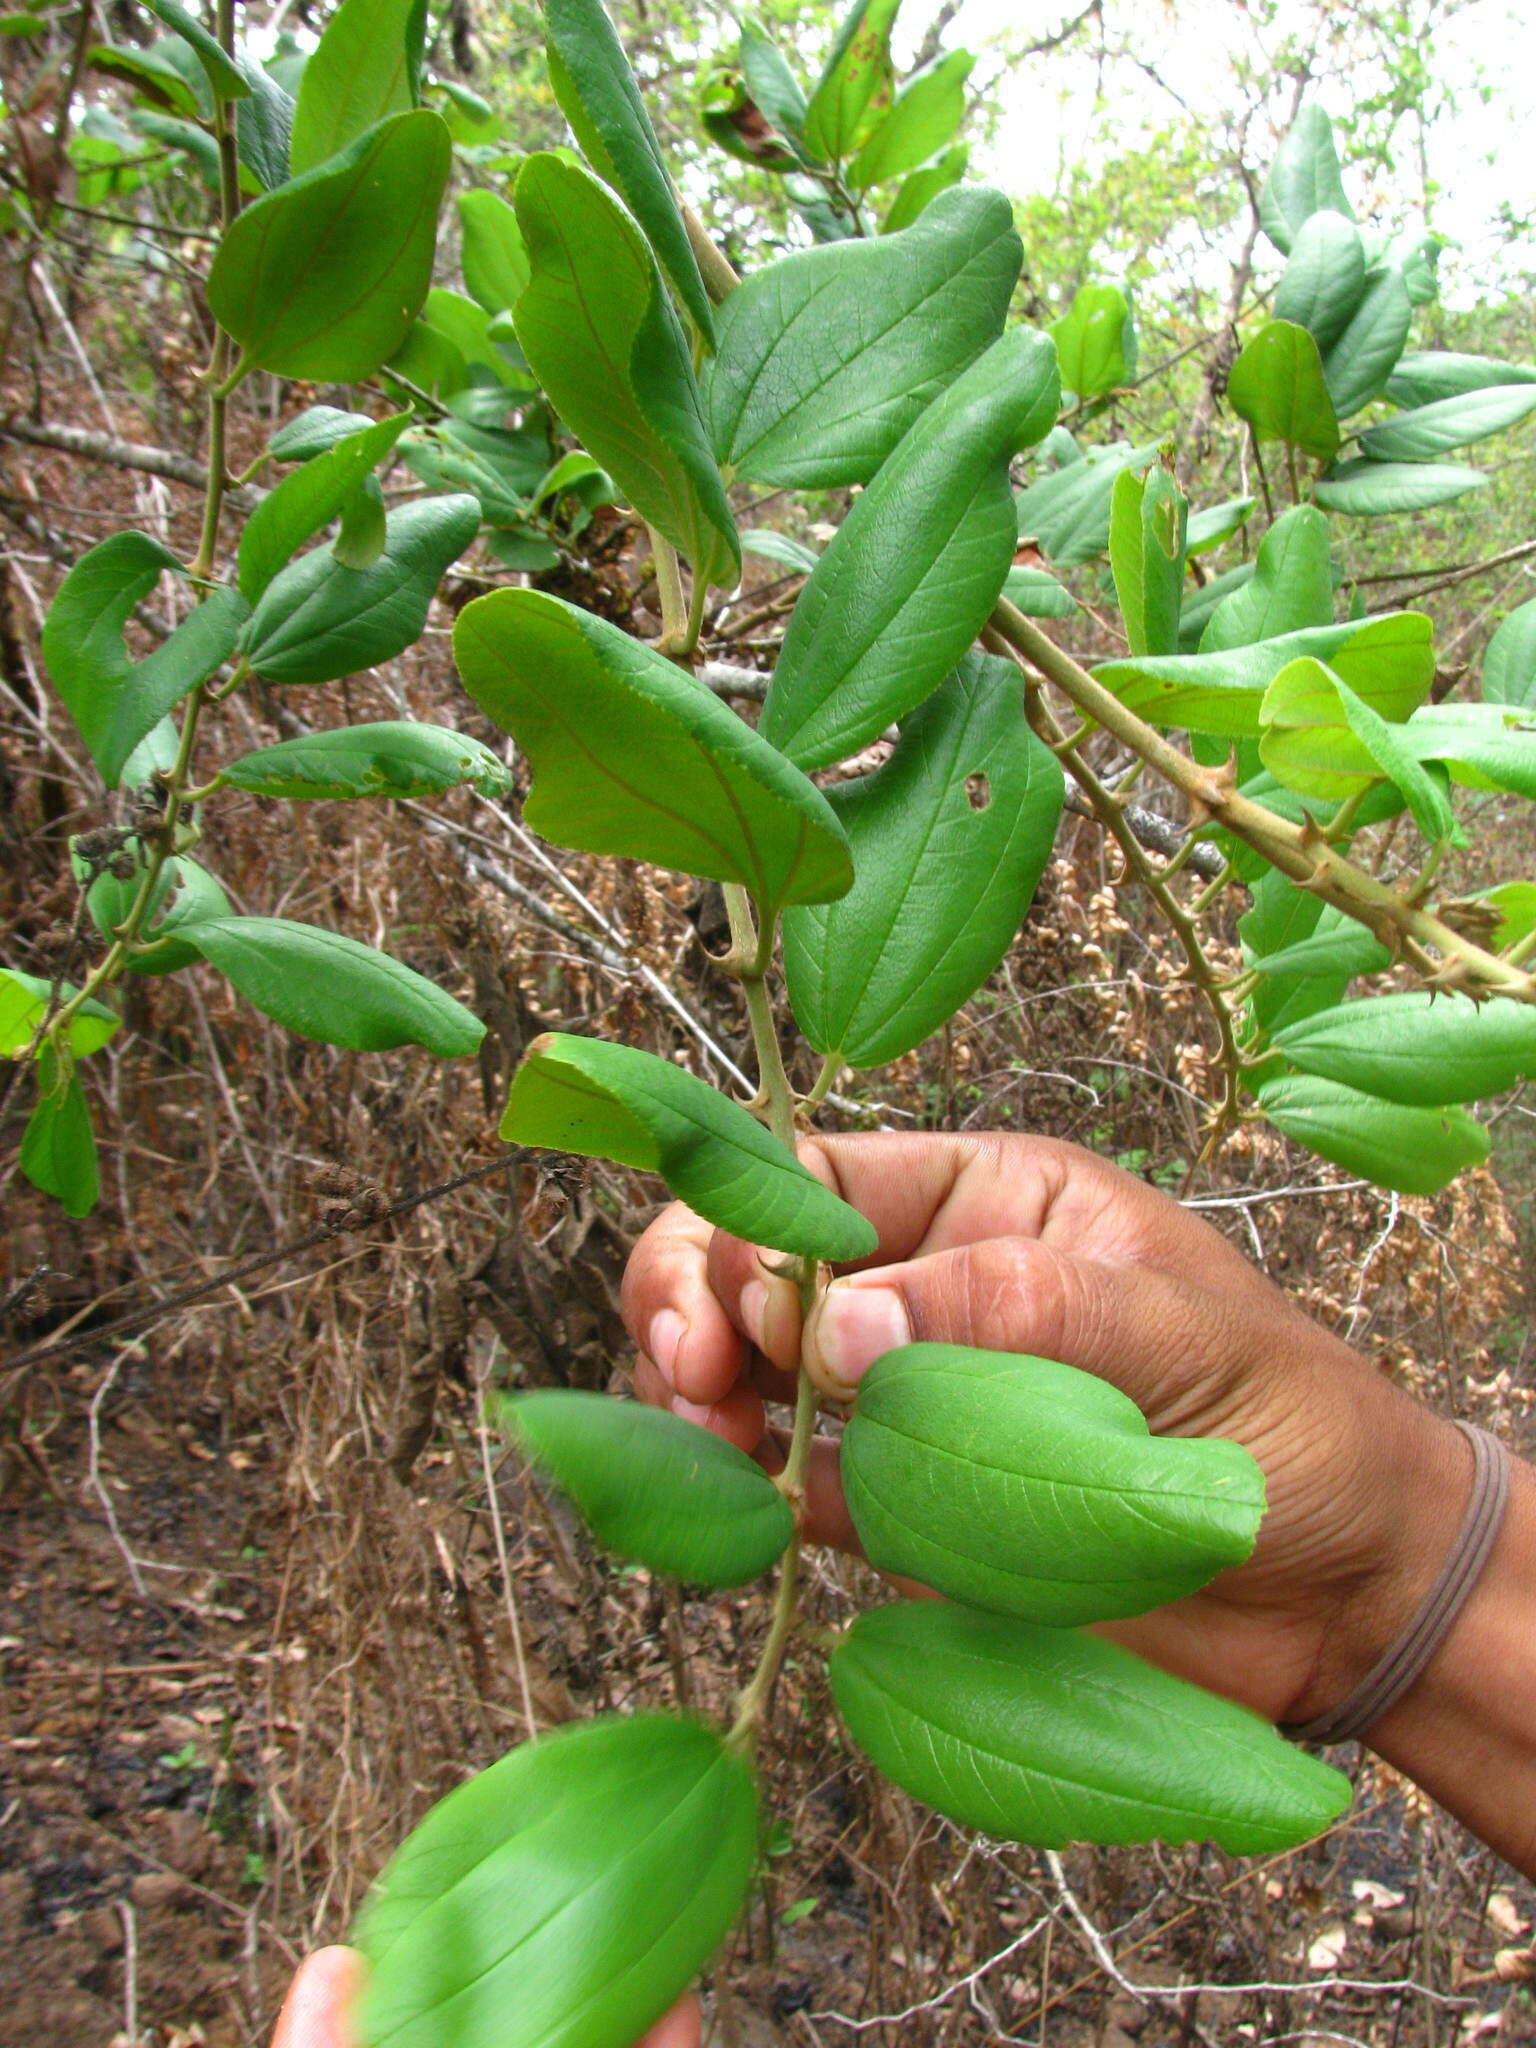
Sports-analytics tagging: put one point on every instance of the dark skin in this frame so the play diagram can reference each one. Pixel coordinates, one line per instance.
(1032, 1246)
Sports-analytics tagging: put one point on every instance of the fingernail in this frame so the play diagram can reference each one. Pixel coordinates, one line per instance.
(854, 1325)
(663, 1341)
(754, 1312)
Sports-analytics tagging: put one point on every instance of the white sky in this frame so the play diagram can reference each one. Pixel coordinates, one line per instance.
(1480, 154)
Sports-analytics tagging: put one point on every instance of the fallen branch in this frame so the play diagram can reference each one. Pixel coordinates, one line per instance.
(89, 447)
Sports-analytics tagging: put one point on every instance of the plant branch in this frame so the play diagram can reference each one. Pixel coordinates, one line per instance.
(1300, 851)
(139, 455)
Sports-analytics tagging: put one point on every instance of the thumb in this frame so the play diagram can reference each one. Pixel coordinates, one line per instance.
(1129, 1324)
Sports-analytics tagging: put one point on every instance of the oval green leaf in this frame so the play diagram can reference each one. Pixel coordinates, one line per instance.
(917, 565)
(323, 277)
(1426, 375)
(319, 619)
(1390, 660)
(58, 1146)
(1417, 1048)
(1147, 522)
(632, 756)
(24, 998)
(1509, 659)
(1366, 488)
(1303, 180)
(1449, 423)
(1096, 342)
(116, 701)
(312, 431)
(1358, 364)
(366, 66)
(309, 498)
(1324, 279)
(615, 1102)
(950, 838)
(1032, 1489)
(1277, 386)
(1290, 588)
(1414, 1151)
(1067, 509)
(829, 355)
(392, 758)
(493, 254)
(923, 117)
(599, 331)
(856, 83)
(599, 97)
(1046, 1736)
(654, 1488)
(324, 985)
(565, 1897)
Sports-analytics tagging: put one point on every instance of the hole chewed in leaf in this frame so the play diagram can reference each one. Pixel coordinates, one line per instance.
(978, 792)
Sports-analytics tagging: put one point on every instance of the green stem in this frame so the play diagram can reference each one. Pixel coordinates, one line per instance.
(825, 1081)
(669, 588)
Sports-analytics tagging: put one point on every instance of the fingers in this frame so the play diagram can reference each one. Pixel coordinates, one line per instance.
(1166, 1345)
(672, 1313)
(315, 2011)
(737, 1415)
(682, 2027)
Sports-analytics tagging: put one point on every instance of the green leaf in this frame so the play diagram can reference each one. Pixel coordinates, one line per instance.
(114, 700)
(924, 116)
(501, 469)
(598, 96)
(1509, 659)
(828, 356)
(1046, 1736)
(263, 130)
(1303, 180)
(856, 85)
(1416, 1048)
(389, 759)
(1515, 903)
(1322, 739)
(1201, 605)
(1096, 342)
(1426, 375)
(1038, 595)
(311, 497)
(222, 71)
(1067, 510)
(1291, 586)
(58, 1146)
(1414, 1151)
(630, 755)
(24, 998)
(1358, 364)
(326, 986)
(600, 333)
(148, 72)
(917, 565)
(1033, 1489)
(1487, 746)
(1281, 920)
(465, 326)
(322, 278)
(565, 1897)
(182, 136)
(615, 1102)
(1324, 280)
(366, 66)
(1365, 487)
(918, 192)
(1390, 660)
(1146, 552)
(950, 838)
(779, 547)
(1335, 946)
(314, 430)
(1449, 423)
(494, 255)
(1277, 386)
(1217, 523)
(318, 619)
(653, 1487)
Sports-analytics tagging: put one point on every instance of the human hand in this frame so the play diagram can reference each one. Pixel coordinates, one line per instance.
(1026, 1244)
(314, 2014)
